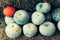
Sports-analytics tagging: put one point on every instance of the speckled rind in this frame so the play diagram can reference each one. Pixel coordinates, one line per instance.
(56, 14)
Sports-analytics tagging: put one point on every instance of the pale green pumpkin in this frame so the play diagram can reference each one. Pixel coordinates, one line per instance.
(13, 30)
(29, 30)
(43, 7)
(21, 17)
(38, 18)
(47, 29)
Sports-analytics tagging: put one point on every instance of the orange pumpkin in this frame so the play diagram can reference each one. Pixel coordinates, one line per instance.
(8, 11)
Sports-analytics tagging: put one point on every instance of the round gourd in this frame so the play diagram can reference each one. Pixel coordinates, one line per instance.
(38, 18)
(8, 11)
(21, 17)
(56, 14)
(9, 20)
(13, 30)
(29, 30)
(47, 29)
(43, 7)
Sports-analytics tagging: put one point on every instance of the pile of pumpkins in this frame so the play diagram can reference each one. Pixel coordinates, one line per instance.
(14, 19)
